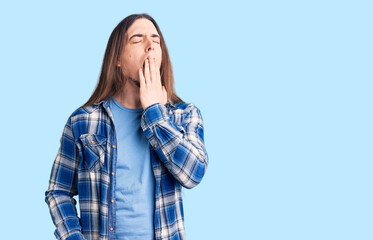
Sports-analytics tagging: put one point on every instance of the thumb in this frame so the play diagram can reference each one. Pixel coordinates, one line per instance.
(165, 91)
(164, 94)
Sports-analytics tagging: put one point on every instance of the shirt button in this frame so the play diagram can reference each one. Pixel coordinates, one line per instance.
(155, 145)
(112, 200)
(93, 141)
(112, 173)
(111, 229)
(113, 146)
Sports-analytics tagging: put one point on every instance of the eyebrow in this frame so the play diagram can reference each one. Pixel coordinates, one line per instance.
(140, 35)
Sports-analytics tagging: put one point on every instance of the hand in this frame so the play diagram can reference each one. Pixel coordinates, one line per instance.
(151, 89)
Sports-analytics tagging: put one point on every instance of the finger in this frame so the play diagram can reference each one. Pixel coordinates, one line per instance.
(147, 73)
(142, 78)
(164, 94)
(164, 91)
(158, 75)
(153, 73)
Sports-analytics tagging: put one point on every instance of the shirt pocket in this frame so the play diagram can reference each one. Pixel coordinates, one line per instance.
(94, 149)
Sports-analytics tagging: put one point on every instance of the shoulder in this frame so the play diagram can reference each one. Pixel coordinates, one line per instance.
(88, 119)
(185, 107)
(84, 112)
(188, 110)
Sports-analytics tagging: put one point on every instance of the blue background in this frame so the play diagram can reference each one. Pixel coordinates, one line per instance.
(284, 87)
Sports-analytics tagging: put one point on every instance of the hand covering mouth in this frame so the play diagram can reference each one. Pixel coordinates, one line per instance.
(147, 57)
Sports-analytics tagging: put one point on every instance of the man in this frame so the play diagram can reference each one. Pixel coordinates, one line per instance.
(130, 149)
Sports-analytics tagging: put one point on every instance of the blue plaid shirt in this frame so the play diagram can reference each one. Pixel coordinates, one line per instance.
(85, 165)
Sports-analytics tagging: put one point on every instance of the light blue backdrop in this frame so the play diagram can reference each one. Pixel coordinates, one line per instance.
(285, 90)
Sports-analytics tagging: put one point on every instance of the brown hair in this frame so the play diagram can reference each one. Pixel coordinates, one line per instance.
(111, 78)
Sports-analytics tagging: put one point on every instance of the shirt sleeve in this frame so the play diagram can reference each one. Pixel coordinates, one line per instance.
(63, 186)
(180, 148)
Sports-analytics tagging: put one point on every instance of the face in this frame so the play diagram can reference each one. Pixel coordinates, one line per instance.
(142, 40)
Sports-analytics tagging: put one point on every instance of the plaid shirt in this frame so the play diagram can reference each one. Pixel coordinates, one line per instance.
(85, 165)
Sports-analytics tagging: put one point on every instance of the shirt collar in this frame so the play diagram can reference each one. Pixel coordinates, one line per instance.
(105, 103)
(169, 103)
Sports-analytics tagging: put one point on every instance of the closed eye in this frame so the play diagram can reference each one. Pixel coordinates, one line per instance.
(138, 35)
(153, 41)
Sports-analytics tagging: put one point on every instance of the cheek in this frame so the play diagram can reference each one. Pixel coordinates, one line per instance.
(130, 61)
(126, 58)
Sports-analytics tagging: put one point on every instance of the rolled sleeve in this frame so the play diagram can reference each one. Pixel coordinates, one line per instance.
(181, 148)
(154, 113)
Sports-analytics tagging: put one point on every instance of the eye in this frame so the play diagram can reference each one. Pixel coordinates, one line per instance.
(156, 42)
(137, 42)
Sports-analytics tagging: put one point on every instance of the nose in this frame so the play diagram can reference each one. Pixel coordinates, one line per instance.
(149, 45)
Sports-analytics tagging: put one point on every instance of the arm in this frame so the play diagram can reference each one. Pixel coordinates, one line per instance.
(62, 188)
(182, 151)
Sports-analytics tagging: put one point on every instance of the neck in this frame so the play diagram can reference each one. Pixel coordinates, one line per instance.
(129, 95)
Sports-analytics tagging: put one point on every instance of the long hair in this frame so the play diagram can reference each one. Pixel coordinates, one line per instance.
(111, 78)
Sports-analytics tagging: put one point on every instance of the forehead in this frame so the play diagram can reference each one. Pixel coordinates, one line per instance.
(141, 26)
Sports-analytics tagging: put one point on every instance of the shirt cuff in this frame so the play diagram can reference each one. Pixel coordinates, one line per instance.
(76, 236)
(155, 113)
